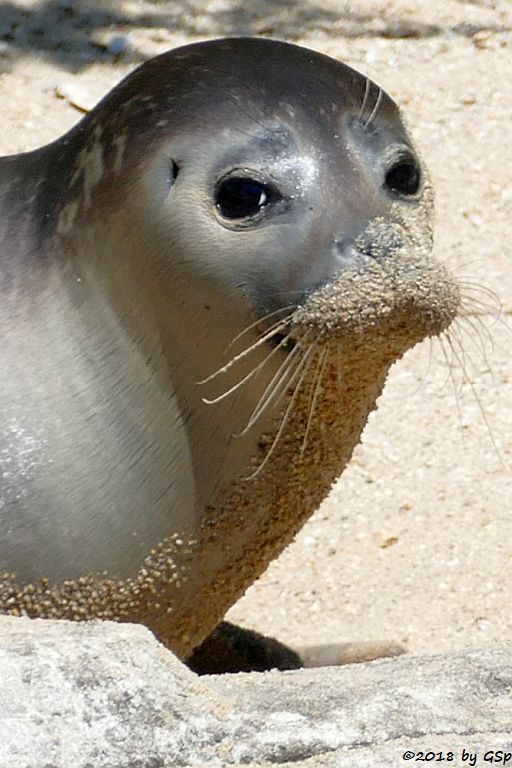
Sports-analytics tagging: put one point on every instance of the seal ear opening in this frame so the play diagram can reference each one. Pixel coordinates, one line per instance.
(172, 173)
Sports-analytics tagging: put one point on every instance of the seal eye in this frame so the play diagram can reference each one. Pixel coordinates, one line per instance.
(404, 177)
(240, 197)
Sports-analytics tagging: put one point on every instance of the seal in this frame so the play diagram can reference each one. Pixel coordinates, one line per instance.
(203, 285)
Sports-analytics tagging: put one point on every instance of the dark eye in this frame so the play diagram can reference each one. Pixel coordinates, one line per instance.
(240, 197)
(404, 177)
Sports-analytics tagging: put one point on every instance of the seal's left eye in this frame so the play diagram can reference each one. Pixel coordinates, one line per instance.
(404, 178)
(240, 197)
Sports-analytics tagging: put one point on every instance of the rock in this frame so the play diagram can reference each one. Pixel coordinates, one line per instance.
(76, 95)
(119, 44)
(105, 695)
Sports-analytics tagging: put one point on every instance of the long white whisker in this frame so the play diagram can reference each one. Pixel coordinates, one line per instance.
(477, 299)
(482, 332)
(248, 376)
(282, 378)
(456, 334)
(276, 328)
(476, 308)
(375, 110)
(452, 341)
(479, 327)
(425, 375)
(304, 365)
(450, 257)
(472, 331)
(258, 321)
(477, 287)
(365, 99)
(317, 380)
(449, 365)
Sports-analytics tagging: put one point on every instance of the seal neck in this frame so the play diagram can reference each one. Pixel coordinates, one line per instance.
(33, 186)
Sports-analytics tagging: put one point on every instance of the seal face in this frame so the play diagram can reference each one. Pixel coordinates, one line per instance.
(200, 302)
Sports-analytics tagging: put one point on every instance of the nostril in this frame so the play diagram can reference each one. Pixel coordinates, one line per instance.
(344, 252)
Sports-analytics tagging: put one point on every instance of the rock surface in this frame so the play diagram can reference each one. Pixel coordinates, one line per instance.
(104, 695)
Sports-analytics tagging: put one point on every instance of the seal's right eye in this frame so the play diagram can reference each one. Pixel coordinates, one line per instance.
(240, 197)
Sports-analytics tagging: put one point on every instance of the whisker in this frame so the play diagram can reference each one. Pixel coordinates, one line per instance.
(248, 376)
(317, 380)
(474, 283)
(478, 292)
(274, 329)
(456, 335)
(423, 377)
(452, 341)
(282, 375)
(482, 331)
(365, 99)
(473, 331)
(374, 111)
(449, 363)
(478, 325)
(480, 309)
(304, 364)
(449, 258)
(480, 301)
(256, 323)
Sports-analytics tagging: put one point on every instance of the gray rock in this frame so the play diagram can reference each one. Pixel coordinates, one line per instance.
(104, 695)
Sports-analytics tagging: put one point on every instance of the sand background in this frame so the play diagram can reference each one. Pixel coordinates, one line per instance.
(415, 542)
